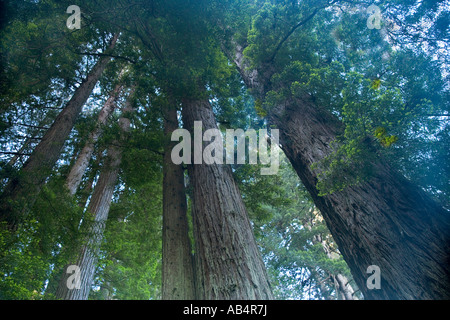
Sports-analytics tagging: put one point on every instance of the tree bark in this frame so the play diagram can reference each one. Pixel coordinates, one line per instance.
(79, 167)
(386, 221)
(99, 208)
(20, 193)
(228, 264)
(177, 258)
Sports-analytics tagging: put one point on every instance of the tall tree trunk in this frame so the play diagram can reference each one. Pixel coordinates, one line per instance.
(20, 193)
(386, 221)
(177, 259)
(79, 167)
(345, 288)
(87, 189)
(59, 268)
(99, 208)
(228, 264)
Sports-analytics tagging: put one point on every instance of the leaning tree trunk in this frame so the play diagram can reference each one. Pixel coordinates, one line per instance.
(20, 193)
(99, 208)
(228, 264)
(386, 221)
(79, 167)
(177, 259)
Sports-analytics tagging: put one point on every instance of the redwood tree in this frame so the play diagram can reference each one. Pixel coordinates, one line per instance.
(79, 167)
(228, 264)
(385, 221)
(177, 263)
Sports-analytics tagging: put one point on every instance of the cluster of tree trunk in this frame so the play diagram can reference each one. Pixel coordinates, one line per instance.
(385, 221)
(21, 192)
(97, 211)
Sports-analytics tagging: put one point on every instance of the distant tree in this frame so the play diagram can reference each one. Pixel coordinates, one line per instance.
(98, 207)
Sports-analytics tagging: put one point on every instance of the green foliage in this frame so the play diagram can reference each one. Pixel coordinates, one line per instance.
(131, 264)
(288, 228)
(39, 54)
(392, 102)
(385, 139)
(51, 225)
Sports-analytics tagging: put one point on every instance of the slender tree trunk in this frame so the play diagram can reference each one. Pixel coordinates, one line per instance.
(79, 167)
(20, 193)
(344, 288)
(387, 221)
(177, 261)
(228, 264)
(60, 268)
(99, 208)
(87, 190)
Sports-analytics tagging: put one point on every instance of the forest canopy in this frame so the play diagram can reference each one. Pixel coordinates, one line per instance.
(356, 95)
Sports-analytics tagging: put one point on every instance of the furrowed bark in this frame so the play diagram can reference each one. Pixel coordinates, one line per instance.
(99, 208)
(228, 264)
(20, 193)
(386, 221)
(177, 258)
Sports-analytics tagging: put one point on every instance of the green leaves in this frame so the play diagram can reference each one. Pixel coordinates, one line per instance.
(131, 262)
(385, 139)
(36, 248)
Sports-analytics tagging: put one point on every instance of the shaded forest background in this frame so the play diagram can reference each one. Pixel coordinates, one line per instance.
(388, 88)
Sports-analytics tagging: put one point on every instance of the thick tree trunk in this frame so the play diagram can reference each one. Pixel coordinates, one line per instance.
(99, 208)
(79, 167)
(228, 264)
(21, 192)
(177, 259)
(386, 221)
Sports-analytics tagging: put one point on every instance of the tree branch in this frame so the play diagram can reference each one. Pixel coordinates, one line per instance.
(106, 55)
(301, 23)
(15, 153)
(31, 126)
